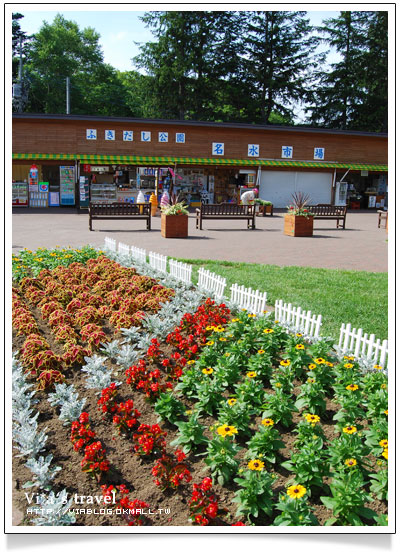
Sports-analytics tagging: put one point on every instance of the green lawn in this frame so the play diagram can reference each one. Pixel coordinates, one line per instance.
(356, 297)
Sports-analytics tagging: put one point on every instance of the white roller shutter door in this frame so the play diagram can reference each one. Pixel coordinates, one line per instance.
(278, 186)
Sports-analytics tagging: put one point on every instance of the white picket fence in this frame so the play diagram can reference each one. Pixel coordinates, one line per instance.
(352, 341)
(211, 282)
(138, 254)
(158, 262)
(355, 342)
(301, 320)
(181, 271)
(110, 244)
(252, 300)
(124, 249)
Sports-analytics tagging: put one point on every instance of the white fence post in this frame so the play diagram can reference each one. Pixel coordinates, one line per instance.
(362, 346)
(138, 254)
(110, 244)
(181, 271)
(211, 282)
(123, 249)
(249, 299)
(158, 262)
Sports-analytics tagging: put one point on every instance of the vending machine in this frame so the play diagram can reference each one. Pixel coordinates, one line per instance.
(67, 185)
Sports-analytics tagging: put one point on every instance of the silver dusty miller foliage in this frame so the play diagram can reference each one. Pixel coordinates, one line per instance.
(43, 474)
(53, 510)
(71, 406)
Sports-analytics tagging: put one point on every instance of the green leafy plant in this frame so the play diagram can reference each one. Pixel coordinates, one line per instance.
(294, 508)
(190, 434)
(221, 451)
(279, 407)
(176, 209)
(266, 442)
(348, 499)
(256, 493)
(169, 408)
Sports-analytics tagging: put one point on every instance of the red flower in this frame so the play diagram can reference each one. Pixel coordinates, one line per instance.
(212, 510)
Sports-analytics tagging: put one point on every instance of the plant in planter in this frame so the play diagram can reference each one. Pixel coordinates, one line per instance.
(264, 207)
(174, 221)
(299, 220)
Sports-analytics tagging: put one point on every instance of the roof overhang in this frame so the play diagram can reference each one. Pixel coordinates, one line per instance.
(163, 161)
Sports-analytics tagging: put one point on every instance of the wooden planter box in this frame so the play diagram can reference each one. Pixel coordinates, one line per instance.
(174, 226)
(264, 210)
(297, 225)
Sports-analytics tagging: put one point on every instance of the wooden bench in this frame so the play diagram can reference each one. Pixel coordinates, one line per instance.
(120, 211)
(332, 212)
(226, 211)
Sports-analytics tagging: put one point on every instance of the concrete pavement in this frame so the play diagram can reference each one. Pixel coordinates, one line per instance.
(361, 246)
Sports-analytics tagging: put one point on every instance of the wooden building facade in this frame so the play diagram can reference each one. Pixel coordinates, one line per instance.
(214, 159)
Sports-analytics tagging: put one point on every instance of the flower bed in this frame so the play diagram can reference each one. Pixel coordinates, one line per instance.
(226, 420)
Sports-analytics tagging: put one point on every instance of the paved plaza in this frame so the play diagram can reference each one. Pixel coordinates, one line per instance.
(361, 246)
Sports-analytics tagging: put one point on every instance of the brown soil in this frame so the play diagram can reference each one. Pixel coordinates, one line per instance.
(135, 471)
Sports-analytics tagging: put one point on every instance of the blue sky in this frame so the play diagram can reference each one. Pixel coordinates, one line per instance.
(118, 29)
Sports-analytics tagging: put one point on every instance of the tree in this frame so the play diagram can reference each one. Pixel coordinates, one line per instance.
(279, 53)
(190, 62)
(352, 93)
(60, 50)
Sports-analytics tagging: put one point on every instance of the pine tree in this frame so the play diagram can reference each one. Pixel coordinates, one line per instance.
(279, 53)
(352, 93)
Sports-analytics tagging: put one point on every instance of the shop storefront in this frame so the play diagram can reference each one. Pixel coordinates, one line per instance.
(115, 159)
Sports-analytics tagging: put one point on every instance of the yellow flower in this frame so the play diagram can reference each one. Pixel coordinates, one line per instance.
(386, 412)
(227, 354)
(312, 366)
(188, 412)
(348, 366)
(329, 364)
(383, 386)
(285, 363)
(210, 343)
(251, 374)
(268, 422)
(219, 329)
(352, 387)
(299, 335)
(278, 385)
(255, 464)
(268, 331)
(223, 339)
(190, 362)
(385, 454)
(207, 370)
(235, 320)
(351, 358)
(232, 401)
(226, 429)
(312, 418)
(384, 443)
(376, 366)
(350, 429)
(319, 360)
(209, 328)
(260, 351)
(350, 462)
(296, 491)
(300, 346)
(310, 380)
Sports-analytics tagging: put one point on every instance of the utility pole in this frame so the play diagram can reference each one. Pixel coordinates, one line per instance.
(68, 103)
